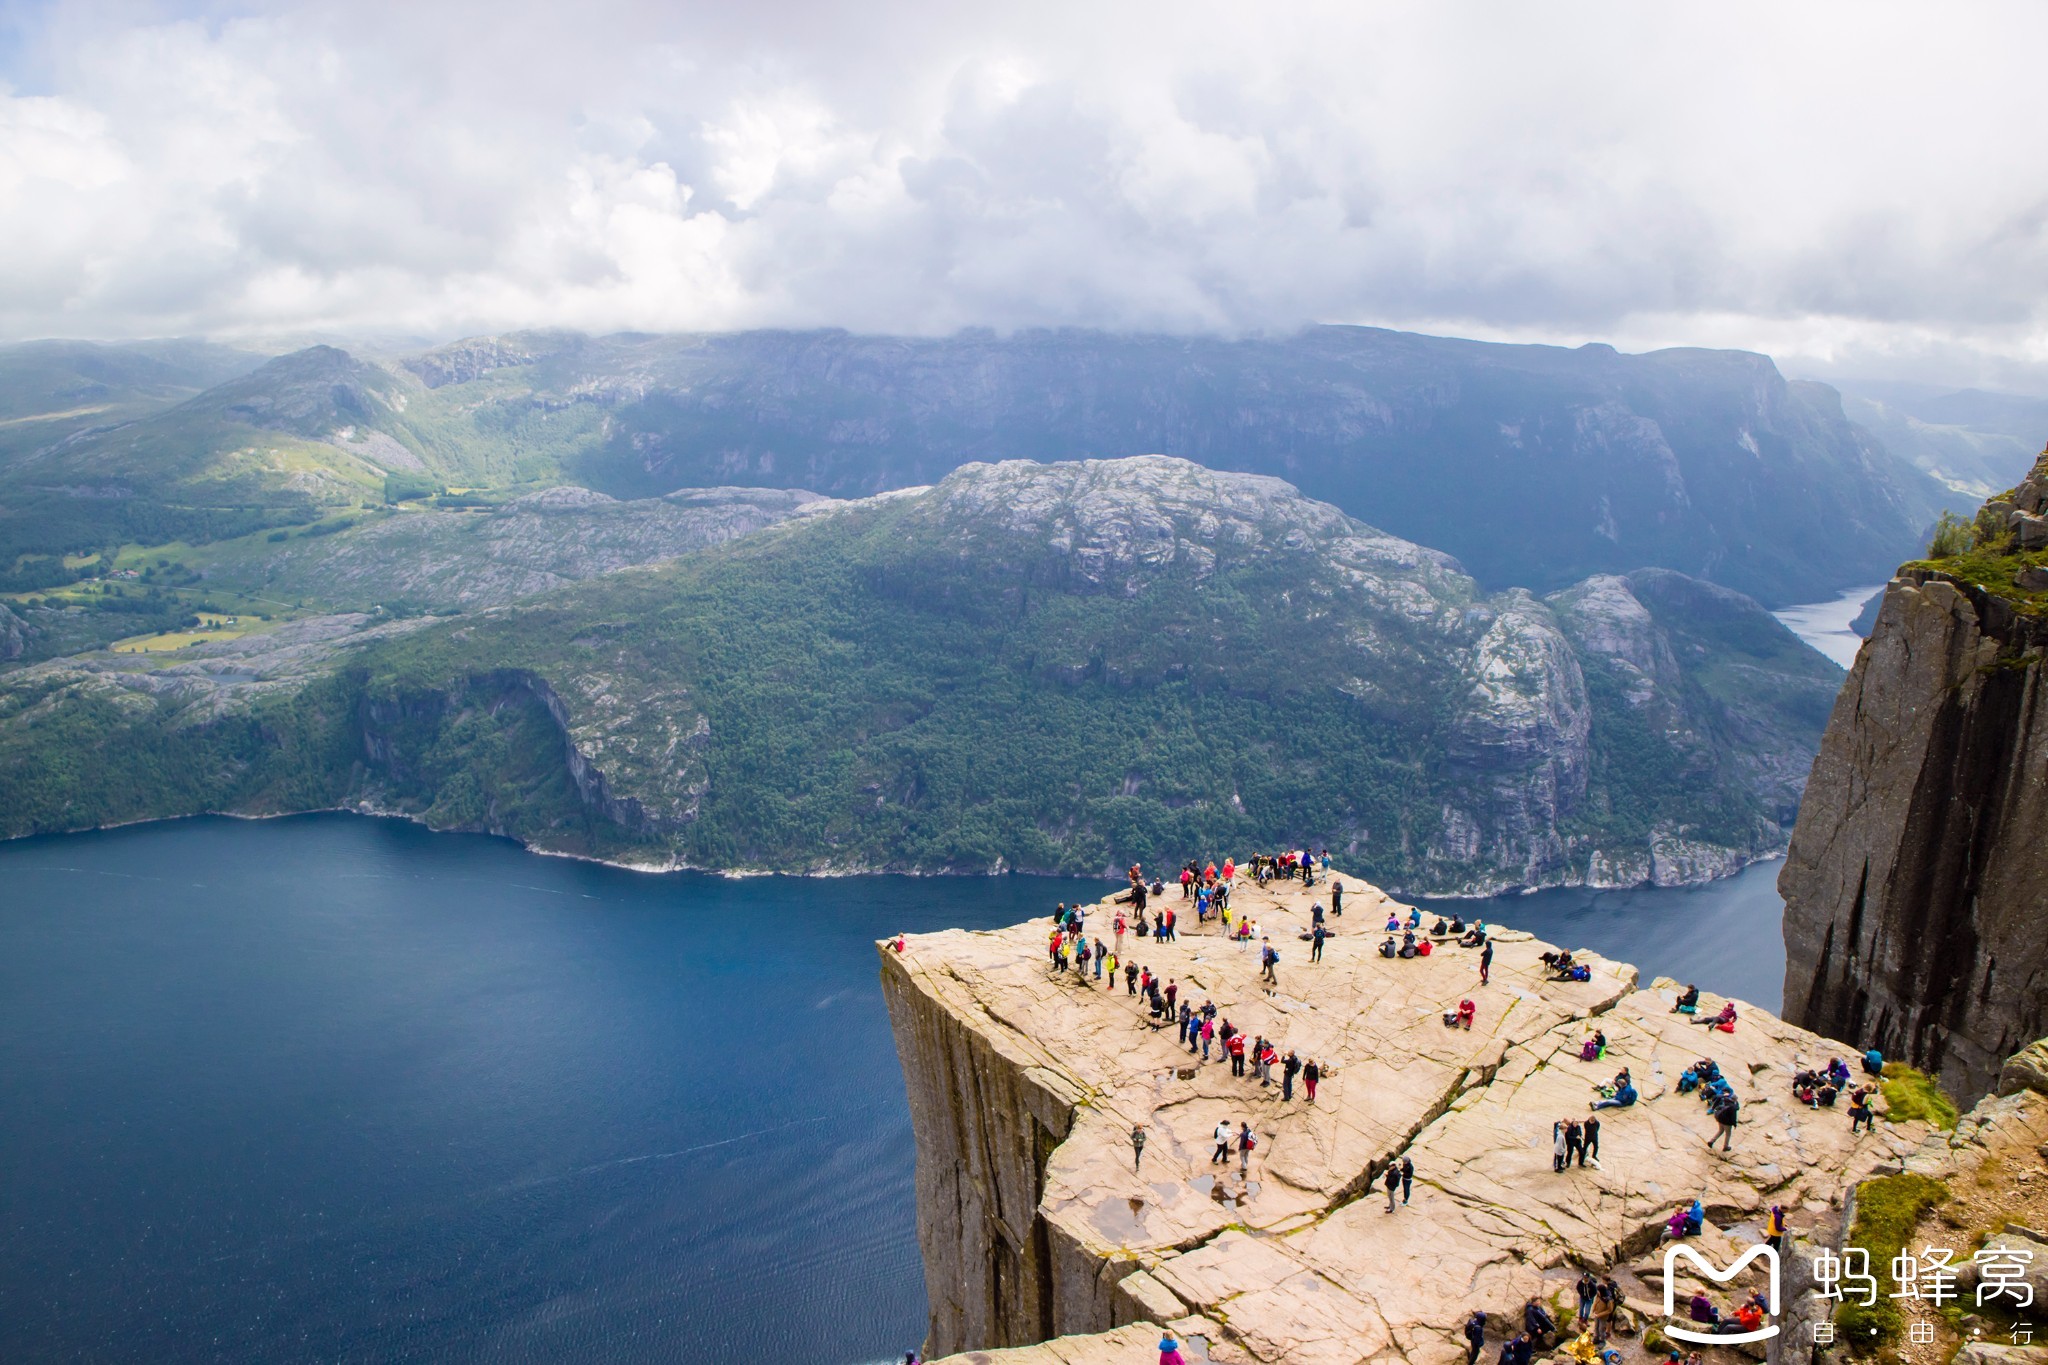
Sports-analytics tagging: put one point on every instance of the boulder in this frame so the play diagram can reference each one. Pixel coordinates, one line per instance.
(2030, 530)
(1987, 1353)
(2028, 1255)
(2026, 1069)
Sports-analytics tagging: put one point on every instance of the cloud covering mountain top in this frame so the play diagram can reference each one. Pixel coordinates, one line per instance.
(1857, 183)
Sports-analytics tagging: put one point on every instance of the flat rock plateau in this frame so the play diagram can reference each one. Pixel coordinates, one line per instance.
(1038, 1235)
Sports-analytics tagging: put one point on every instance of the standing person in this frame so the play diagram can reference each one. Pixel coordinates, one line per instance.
(1166, 926)
(1245, 1143)
(1774, 1228)
(1112, 973)
(1181, 1027)
(1574, 1144)
(1120, 926)
(1407, 1178)
(1235, 1047)
(1475, 1336)
(1315, 952)
(1393, 1184)
(1269, 956)
(1310, 1074)
(1486, 962)
(1559, 1147)
(1860, 1114)
(1172, 991)
(1137, 1146)
(1101, 951)
(1725, 1114)
(1336, 898)
(1130, 978)
(1586, 1288)
(1591, 1150)
(1208, 1036)
(1289, 1069)
(1222, 1143)
(1603, 1312)
(1187, 881)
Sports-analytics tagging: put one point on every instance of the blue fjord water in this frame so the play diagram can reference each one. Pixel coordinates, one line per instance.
(331, 1088)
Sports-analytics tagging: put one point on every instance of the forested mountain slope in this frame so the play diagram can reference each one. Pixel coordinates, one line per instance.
(1027, 666)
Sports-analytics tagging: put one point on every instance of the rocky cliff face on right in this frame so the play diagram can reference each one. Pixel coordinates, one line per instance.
(1916, 887)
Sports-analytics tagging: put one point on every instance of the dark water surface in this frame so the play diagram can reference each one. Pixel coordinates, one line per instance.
(331, 1088)
(338, 1089)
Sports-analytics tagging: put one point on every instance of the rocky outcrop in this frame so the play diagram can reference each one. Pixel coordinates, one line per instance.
(14, 633)
(1916, 878)
(1038, 1226)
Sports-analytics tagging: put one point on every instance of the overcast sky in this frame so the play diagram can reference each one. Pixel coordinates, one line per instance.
(1859, 185)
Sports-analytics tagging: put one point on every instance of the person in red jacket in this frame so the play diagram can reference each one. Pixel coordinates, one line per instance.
(1236, 1046)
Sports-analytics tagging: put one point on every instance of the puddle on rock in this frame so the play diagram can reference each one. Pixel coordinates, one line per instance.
(1122, 1219)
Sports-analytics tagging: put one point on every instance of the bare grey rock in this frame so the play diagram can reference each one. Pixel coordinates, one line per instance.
(1916, 878)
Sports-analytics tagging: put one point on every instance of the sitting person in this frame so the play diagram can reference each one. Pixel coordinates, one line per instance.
(1703, 1310)
(1467, 1012)
(1695, 1218)
(1414, 918)
(1624, 1095)
(1803, 1092)
(1873, 1062)
(1594, 1048)
(1456, 926)
(1748, 1318)
(1838, 1073)
(1725, 1020)
(1709, 1069)
(1422, 947)
(1393, 923)
(1688, 1001)
(1408, 944)
(1558, 960)
(1472, 937)
(1388, 949)
(1439, 929)
(1688, 1080)
(1674, 1226)
(1825, 1097)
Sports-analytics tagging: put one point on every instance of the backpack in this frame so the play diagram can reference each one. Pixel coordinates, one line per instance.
(1250, 1142)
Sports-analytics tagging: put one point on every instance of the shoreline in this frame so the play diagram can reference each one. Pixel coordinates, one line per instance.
(1742, 863)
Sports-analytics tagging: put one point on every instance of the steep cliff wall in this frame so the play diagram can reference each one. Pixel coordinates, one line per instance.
(1917, 881)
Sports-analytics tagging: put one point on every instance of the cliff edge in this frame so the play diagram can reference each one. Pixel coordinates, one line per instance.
(1916, 880)
(1036, 1223)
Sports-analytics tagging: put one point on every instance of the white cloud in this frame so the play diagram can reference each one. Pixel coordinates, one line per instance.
(1848, 182)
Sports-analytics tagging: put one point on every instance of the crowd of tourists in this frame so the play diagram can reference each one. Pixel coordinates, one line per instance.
(1209, 1035)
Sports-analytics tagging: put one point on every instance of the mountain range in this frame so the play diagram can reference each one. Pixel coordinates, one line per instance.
(1534, 466)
